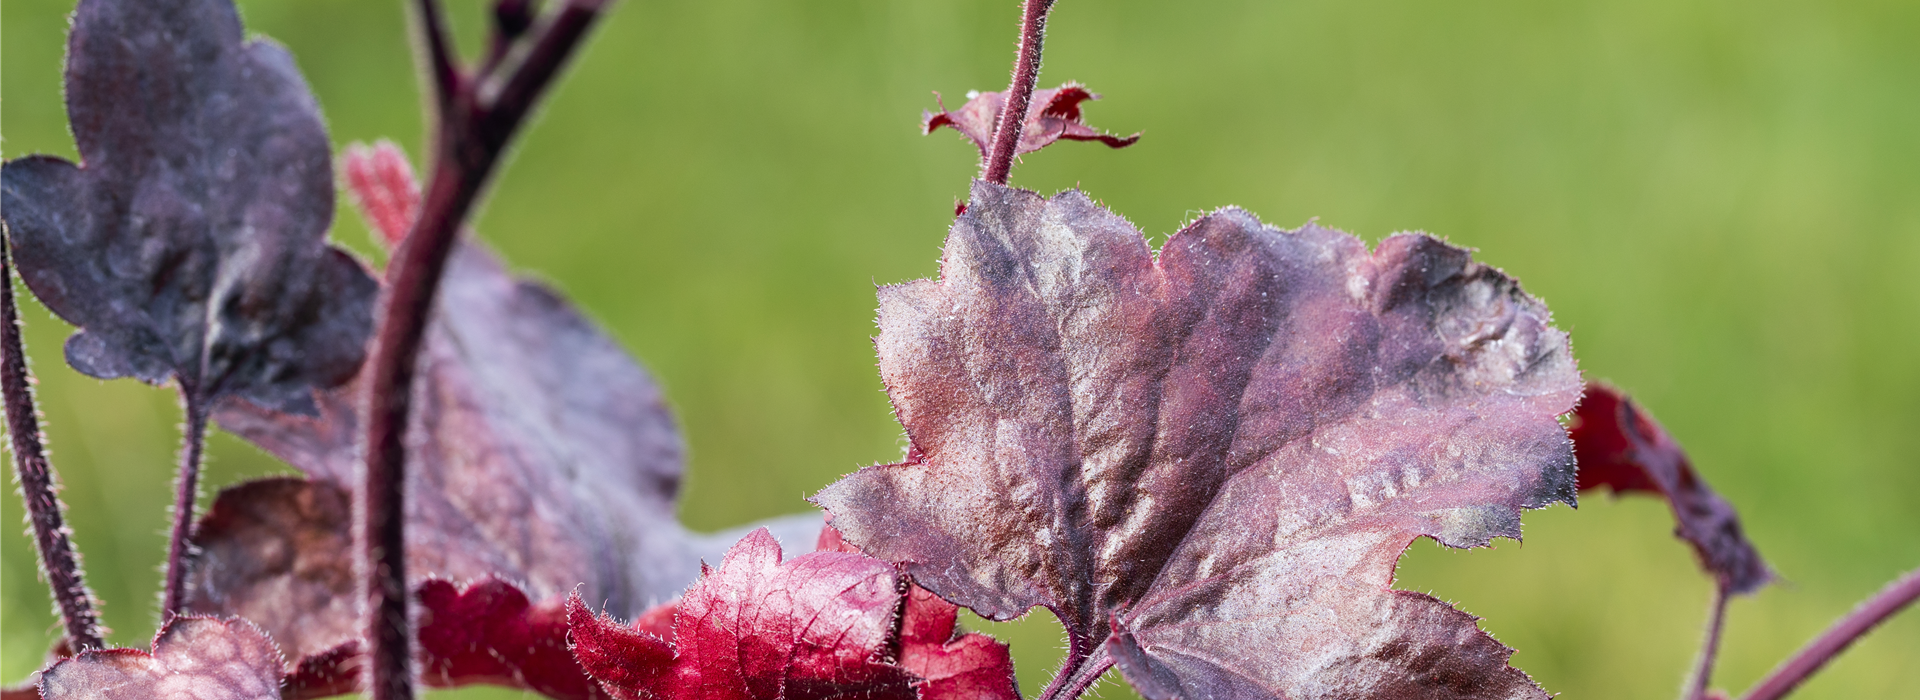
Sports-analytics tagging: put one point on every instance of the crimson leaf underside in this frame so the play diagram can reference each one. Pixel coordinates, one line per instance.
(1623, 448)
(1209, 462)
(823, 625)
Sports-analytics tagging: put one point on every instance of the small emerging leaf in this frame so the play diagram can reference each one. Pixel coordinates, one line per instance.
(1053, 114)
(1623, 448)
(1209, 461)
(189, 242)
(381, 182)
(193, 658)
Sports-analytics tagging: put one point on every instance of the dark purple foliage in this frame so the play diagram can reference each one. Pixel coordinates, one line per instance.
(189, 242)
(1209, 462)
(514, 384)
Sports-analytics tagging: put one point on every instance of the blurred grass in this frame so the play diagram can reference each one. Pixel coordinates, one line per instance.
(1720, 200)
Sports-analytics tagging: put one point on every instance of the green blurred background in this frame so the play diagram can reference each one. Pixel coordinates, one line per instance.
(1720, 200)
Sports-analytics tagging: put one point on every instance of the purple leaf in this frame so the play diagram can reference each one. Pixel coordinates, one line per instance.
(544, 453)
(1209, 461)
(1053, 115)
(193, 658)
(279, 552)
(190, 242)
(1623, 448)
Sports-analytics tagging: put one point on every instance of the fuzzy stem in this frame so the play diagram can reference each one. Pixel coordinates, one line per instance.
(472, 130)
(1077, 676)
(186, 489)
(38, 485)
(1809, 660)
(1710, 647)
(1026, 72)
(441, 66)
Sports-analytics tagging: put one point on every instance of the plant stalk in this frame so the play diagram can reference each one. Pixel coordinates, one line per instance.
(1026, 73)
(472, 130)
(59, 562)
(1844, 632)
(1710, 647)
(1077, 676)
(186, 489)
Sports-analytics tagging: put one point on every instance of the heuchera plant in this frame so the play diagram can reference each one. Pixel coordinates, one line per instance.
(1205, 460)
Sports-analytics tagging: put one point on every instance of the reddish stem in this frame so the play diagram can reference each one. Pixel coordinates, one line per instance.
(1889, 601)
(1077, 677)
(1026, 73)
(1710, 648)
(38, 485)
(186, 489)
(474, 125)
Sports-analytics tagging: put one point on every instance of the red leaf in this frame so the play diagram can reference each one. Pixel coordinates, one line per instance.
(487, 632)
(1623, 448)
(1053, 115)
(819, 626)
(193, 658)
(950, 665)
(630, 662)
(1213, 459)
(382, 186)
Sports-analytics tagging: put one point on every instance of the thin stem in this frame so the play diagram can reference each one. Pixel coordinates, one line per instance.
(186, 489)
(441, 67)
(1078, 676)
(1809, 660)
(553, 45)
(38, 485)
(471, 135)
(1710, 647)
(1026, 72)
